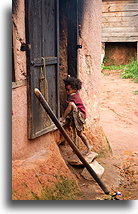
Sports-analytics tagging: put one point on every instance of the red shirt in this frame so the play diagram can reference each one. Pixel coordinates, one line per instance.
(78, 102)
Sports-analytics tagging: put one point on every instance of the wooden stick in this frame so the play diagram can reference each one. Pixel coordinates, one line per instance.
(68, 139)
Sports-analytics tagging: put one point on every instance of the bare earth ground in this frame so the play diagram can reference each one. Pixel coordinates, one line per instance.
(119, 112)
(119, 119)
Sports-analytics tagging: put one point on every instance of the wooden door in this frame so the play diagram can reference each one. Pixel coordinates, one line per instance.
(42, 37)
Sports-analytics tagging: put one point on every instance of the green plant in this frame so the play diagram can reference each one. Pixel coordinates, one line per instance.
(65, 189)
(135, 92)
(113, 67)
(131, 71)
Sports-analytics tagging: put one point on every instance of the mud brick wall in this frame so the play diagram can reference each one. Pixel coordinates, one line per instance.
(90, 68)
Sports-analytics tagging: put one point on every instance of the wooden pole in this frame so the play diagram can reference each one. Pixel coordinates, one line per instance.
(68, 139)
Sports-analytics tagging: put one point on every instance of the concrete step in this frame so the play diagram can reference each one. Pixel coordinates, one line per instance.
(74, 160)
(99, 170)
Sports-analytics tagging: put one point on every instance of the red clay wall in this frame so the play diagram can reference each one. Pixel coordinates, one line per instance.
(90, 70)
(38, 162)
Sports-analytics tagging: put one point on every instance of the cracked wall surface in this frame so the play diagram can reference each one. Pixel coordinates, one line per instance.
(19, 34)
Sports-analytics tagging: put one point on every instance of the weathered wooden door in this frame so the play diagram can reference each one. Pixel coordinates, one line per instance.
(42, 37)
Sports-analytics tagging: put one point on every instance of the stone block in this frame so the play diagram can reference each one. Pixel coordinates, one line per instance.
(74, 161)
(99, 170)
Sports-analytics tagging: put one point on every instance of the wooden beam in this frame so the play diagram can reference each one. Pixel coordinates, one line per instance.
(118, 24)
(120, 14)
(130, 19)
(115, 7)
(119, 39)
(119, 29)
(119, 34)
(107, 2)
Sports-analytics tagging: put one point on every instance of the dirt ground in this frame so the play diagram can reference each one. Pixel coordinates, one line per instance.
(119, 119)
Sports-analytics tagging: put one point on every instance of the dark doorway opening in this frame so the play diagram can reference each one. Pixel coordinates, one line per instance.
(119, 53)
(68, 40)
(68, 22)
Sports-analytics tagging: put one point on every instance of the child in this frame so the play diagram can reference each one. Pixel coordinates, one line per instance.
(75, 109)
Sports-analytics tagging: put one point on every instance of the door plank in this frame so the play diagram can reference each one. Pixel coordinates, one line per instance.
(42, 35)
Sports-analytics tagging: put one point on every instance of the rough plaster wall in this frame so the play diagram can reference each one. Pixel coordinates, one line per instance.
(18, 27)
(90, 57)
(90, 70)
(22, 147)
(30, 157)
(42, 168)
(42, 154)
(19, 95)
(36, 163)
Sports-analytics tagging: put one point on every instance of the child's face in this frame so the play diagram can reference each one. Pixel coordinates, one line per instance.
(69, 89)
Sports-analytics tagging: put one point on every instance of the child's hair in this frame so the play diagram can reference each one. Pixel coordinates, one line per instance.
(74, 82)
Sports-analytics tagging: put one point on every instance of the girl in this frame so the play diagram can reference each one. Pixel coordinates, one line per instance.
(75, 109)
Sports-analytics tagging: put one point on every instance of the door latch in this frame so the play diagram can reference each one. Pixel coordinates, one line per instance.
(79, 46)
